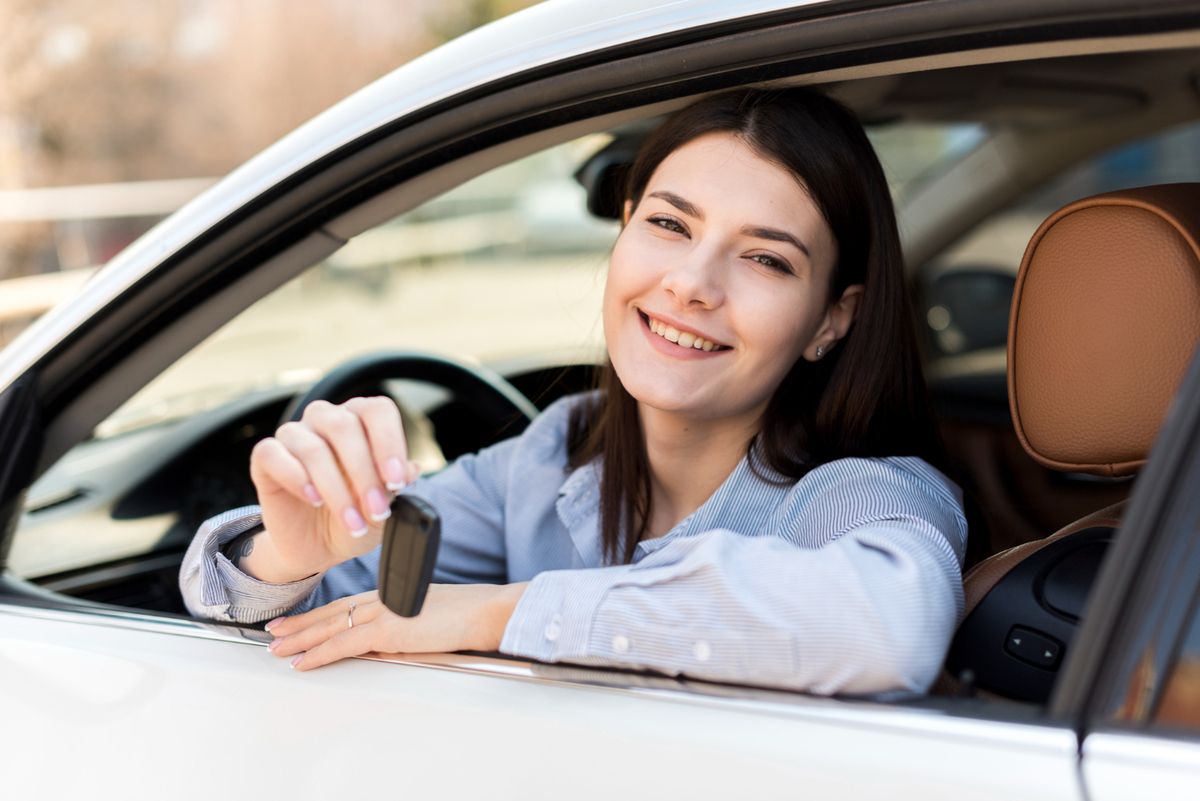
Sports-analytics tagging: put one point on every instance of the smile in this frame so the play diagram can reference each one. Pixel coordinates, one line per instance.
(683, 339)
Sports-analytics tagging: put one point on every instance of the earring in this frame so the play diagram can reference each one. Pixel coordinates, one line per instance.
(820, 351)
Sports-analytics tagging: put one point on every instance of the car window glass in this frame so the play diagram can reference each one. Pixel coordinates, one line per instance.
(913, 153)
(966, 291)
(1179, 705)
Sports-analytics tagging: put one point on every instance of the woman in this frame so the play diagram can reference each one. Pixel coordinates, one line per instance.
(750, 498)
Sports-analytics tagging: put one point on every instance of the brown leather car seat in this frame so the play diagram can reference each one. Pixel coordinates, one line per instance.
(1105, 317)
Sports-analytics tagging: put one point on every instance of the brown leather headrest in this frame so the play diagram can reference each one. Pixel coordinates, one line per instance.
(1105, 316)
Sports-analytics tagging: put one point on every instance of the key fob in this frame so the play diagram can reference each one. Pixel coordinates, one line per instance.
(410, 547)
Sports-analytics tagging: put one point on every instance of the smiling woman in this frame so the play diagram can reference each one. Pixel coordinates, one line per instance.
(750, 497)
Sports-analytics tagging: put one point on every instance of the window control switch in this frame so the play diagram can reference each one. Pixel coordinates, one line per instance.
(1033, 647)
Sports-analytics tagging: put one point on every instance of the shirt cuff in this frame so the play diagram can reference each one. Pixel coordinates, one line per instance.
(544, 626)
(628, 616)
(230, 593)
(560, 616)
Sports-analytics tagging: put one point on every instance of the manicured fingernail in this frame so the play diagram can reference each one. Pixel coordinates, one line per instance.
(273, 623)
(296, 661)
(393, 470)
(274, 643)
(313, 496)
(354, 521)
(378, 505)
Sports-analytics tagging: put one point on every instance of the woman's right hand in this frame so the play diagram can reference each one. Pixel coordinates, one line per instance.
(325, 485)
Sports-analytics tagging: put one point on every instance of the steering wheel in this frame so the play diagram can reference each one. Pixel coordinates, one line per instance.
(498, 407)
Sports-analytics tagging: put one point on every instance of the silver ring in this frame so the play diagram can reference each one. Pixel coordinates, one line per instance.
(350, 616)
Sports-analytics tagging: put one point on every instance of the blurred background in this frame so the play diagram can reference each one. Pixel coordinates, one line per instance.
(114, 114)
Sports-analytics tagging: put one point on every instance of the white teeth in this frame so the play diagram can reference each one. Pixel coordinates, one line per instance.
(682, 338)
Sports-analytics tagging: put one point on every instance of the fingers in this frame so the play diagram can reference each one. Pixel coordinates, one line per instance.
(330, 638)
(333, 445)
(282, 627)
(273, 467)
(381, 421)
(353, 456)
(350, 642)
(325, 470)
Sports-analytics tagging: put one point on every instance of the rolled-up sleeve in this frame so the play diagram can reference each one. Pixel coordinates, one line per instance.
(213, 588)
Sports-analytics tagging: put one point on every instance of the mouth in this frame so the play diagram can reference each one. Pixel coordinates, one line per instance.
(683, 339)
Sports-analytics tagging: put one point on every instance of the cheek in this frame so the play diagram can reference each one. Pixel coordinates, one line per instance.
(626, 278)
(779, 326)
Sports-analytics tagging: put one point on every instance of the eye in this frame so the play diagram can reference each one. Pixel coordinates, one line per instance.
(772, 262)
(670, 223)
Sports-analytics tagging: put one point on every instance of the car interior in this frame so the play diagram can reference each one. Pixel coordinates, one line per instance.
(991, 165)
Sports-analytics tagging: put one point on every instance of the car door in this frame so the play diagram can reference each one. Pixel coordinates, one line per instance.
(153, 706)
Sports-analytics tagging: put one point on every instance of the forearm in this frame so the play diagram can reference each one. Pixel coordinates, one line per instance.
(495, 613)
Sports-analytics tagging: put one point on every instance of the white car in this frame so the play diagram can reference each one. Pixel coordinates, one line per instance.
(443, 233)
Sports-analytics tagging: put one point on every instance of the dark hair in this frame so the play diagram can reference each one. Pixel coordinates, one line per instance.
(868, 396)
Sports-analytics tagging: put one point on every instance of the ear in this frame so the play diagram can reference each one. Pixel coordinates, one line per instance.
(838, 318)
(626, 212)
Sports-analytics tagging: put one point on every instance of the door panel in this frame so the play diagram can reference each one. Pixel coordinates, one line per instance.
(1120, 767)
(155, 712)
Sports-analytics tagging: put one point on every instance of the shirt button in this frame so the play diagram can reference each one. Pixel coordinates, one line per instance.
(620, 644)
(702, 651)
(553, 629)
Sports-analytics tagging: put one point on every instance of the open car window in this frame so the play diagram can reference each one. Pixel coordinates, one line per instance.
(506, 270)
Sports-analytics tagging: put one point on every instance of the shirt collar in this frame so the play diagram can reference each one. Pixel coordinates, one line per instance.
(578, 508)
(743, 503)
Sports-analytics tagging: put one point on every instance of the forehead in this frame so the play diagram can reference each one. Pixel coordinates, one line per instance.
(723, 174)
(725, 168)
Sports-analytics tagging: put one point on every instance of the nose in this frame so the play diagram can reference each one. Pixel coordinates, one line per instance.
(696, 281)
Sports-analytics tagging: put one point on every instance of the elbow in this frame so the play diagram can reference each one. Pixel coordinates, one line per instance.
(909, 655)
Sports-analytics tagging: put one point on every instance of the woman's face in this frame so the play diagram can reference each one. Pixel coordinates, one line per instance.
(724, 248)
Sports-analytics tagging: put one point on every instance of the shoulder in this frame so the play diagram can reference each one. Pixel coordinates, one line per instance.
(905, 474)
(545, 440)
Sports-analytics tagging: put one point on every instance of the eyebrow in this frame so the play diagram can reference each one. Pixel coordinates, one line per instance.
(775, 235)
(686, 206)
(772, 234)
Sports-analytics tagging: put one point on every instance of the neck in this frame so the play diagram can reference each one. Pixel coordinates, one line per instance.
(690, 459)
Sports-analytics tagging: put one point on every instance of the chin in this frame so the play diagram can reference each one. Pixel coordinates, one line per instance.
(694, 404)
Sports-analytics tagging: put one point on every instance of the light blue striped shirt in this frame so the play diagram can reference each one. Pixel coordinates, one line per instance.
(848, 581)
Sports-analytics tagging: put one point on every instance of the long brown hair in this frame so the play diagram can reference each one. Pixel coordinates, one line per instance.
(867, 397)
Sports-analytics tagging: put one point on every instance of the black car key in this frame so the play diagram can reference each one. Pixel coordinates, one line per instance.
(410, 547)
